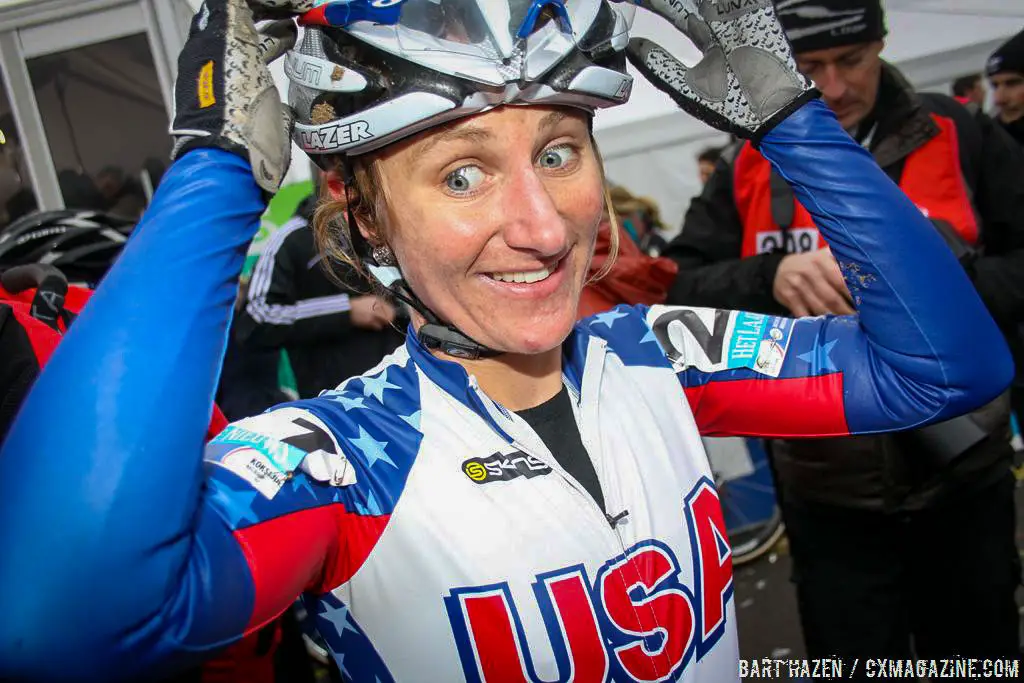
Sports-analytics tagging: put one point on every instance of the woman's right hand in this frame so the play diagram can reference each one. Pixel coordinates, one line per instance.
(225, 96)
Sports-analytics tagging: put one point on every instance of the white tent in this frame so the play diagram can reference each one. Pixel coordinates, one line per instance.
(650, 146)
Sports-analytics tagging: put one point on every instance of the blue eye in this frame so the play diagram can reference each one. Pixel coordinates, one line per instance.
(556, 157)
(465, 179)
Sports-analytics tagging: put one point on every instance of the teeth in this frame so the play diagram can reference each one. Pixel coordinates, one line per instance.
(522, 276)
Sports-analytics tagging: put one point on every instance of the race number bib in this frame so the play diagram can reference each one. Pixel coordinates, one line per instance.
(798, 240)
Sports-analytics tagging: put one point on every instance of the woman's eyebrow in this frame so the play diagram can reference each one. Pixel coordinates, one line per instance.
(476, 134)
(457, 134)
(552, 119)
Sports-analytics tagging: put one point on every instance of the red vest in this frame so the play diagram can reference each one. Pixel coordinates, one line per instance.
(931, 179)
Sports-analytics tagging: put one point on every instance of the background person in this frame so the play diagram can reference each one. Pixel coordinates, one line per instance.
(1005, 70)
(640, 218)
(706, 162)
(330, 329)
(970, 90)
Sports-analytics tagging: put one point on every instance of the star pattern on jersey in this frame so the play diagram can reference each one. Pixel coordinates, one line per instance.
(340, 661)
(412, 420)
(373, 450)
(649, 337)
(820, 357)
(376, 386)
(353, 652)
(372, 507)
(608, 318)
(338, 616)
(347, 402)
(301, 481)
(236, 505)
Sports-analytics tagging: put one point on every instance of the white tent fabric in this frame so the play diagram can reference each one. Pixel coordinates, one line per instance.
(650, 146)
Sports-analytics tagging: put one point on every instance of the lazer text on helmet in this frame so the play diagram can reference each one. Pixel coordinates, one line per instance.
(330, 137)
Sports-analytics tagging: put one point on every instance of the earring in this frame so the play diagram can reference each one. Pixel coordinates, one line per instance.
(383, 255)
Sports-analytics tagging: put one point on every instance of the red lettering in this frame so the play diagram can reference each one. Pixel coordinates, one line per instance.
(496, 648)
(712, 559)
(499, 650)
(639, 622)
(639, 606)
(588, 658)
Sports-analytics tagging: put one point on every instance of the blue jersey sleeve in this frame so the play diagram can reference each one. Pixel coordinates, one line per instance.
(110, 546)
(921, 349)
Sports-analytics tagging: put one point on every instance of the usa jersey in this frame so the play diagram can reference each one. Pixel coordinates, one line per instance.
(461, 550)
(430, 531)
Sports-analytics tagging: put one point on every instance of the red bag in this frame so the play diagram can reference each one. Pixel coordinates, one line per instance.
(635, 278)
(27, 342)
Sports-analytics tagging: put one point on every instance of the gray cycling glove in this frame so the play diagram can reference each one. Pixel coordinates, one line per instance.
(225, 96)
(746, 82)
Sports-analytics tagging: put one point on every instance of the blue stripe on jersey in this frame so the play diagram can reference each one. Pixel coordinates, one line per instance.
(352, 650)
(453, 380)
(376, 419)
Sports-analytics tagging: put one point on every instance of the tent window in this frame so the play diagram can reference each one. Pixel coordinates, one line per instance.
(16, 195)
(105, 122)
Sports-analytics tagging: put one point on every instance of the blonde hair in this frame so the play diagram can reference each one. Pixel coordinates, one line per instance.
(627, 203)
(368, 198)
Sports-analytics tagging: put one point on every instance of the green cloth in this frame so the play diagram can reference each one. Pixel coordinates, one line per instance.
(280, 210)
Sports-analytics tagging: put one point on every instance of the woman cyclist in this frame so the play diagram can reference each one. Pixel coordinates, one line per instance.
(510, 496)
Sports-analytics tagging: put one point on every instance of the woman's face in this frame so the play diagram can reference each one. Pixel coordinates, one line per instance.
(493, 222)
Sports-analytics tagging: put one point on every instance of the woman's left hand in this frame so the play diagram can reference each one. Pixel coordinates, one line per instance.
(746, 82)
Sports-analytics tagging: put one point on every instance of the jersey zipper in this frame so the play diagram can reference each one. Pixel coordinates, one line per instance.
(590, 426)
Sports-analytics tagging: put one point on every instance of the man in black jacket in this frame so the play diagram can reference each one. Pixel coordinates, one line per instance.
(1005, 70)
(331, 333)
(902, 545)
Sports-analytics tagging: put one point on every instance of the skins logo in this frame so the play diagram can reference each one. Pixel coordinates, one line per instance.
(504, 467)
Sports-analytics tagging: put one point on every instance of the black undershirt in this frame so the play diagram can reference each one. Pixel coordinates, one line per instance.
(556, 426)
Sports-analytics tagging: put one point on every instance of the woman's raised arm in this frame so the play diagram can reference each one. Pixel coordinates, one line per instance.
(120, 556)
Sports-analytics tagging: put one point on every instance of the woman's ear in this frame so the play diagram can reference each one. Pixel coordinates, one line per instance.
(336, 191)
(334, 186)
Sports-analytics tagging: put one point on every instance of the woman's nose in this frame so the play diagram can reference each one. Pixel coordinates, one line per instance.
(531, 216)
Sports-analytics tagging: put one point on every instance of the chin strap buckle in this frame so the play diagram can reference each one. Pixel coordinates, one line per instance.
(452, 342)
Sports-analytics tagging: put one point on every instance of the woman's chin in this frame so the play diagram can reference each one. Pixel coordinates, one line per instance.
(533, 337)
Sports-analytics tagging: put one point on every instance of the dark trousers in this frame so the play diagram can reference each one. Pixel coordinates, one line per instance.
(931, 584)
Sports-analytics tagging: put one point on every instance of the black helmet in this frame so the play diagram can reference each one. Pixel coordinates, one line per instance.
(82, 244)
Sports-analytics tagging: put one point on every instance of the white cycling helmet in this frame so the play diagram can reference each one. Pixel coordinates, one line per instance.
(370, 72)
